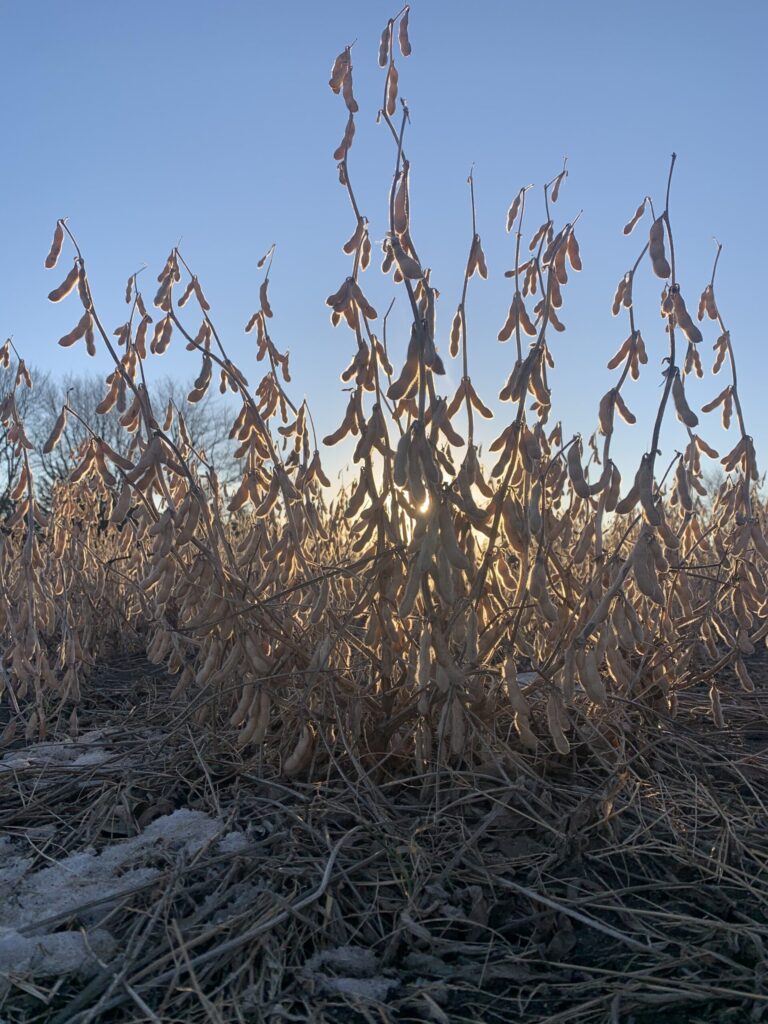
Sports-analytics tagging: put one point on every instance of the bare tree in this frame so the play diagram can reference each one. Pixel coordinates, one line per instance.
(207, 425)
(31, 403)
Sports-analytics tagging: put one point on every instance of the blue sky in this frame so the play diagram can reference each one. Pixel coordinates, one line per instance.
(213, 123)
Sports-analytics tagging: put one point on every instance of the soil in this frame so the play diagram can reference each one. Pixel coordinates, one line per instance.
(623, 884)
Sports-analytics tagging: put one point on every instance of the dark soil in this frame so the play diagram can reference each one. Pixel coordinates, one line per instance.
(626, 883)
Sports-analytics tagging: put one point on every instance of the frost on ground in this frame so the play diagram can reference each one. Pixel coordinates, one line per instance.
(349, 970)
(52, 954)
(81, 886)
(92, 748)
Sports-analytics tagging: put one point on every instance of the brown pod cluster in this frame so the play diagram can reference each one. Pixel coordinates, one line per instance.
(346, 142)
(624, 411)
(556, 185)
(575, 470)
(517, 318)
(266, 309)
(402, 34)
(513, 210)
(589, 675)
(390, 101)
(58, 430)
(707, 304)
(684, 412)
(630, 225)
(85, 324)
(55, 251)
(339, 71)
(623, 295)
(644, 483)
(683, 318)
(644, 565)
(348, 94)
(656, 249)
(537, 587)
(67, 286)
(629, 501)
(693, 361)
(384, 44)
(455, 339)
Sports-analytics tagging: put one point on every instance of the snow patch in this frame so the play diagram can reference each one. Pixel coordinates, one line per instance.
(234, 842)
(65, 888)
(61, 753)
(54, 953)
(360, 980)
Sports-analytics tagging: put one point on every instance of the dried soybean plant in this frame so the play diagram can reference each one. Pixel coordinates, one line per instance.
(438, 607)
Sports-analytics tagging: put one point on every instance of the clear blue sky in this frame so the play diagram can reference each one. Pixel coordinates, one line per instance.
(213, 121)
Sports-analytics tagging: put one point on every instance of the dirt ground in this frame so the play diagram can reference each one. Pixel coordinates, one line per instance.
(151, 872)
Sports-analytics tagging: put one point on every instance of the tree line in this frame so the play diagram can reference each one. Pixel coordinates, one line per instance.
(206, 422)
